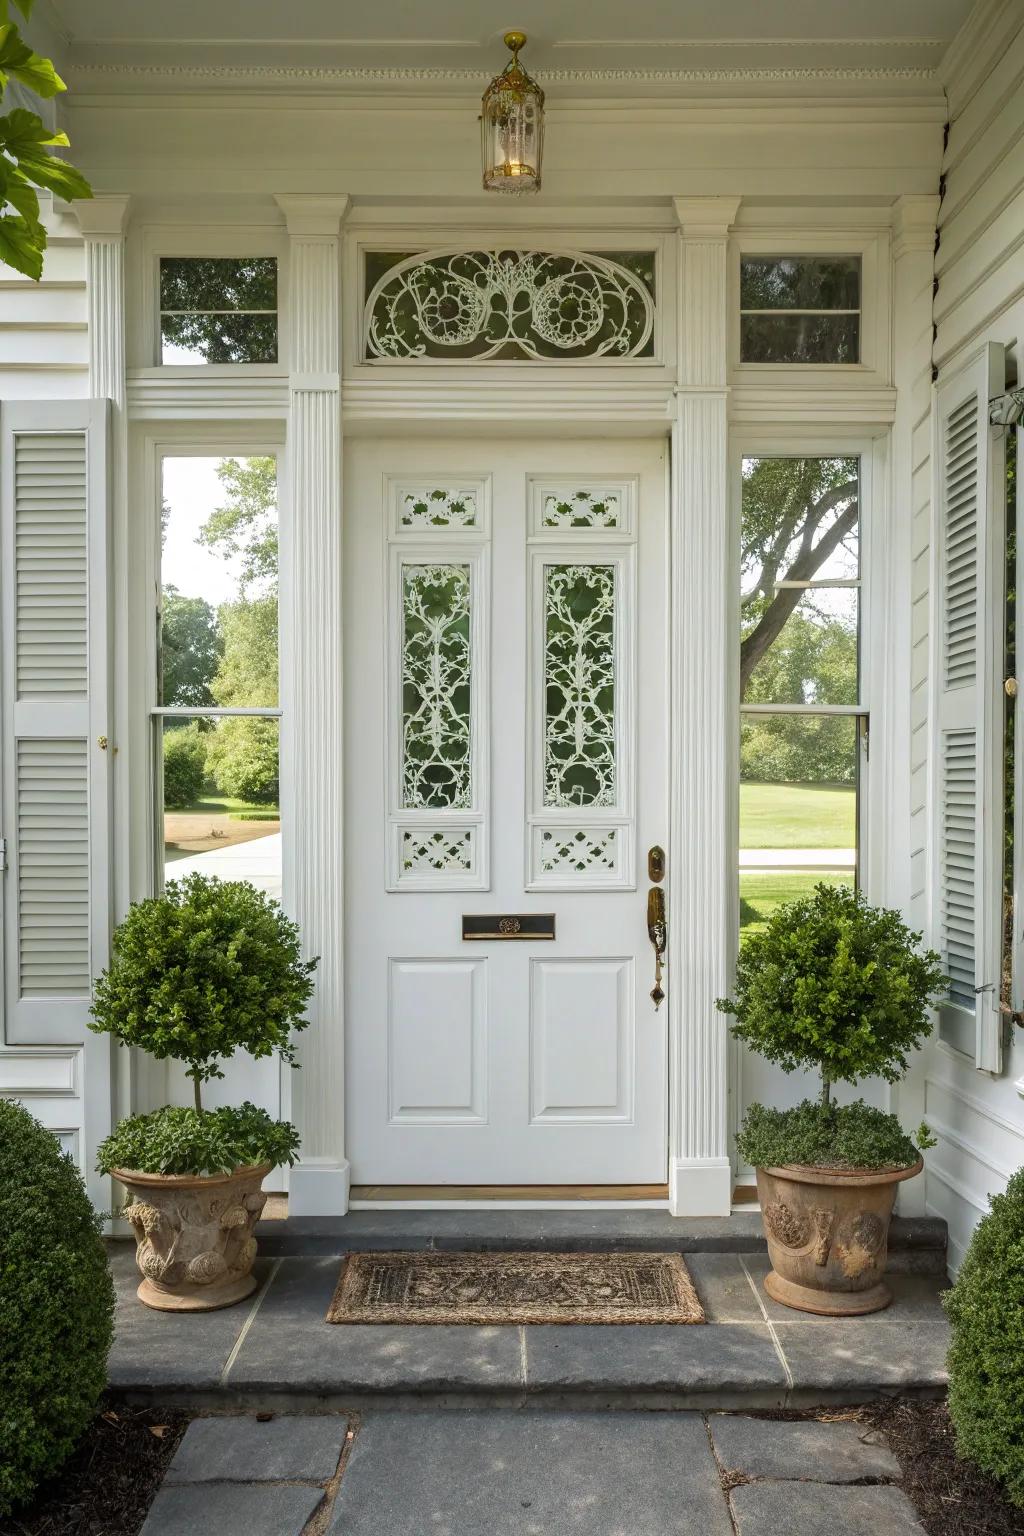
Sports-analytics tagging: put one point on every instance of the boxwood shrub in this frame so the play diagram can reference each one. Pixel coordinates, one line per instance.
(56, 1306)
(986, 1357)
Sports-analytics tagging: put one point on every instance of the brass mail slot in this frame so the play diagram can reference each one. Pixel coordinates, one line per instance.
(508, 925)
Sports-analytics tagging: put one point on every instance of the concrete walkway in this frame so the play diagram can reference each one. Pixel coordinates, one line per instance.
(508, 1473)
(257, 860)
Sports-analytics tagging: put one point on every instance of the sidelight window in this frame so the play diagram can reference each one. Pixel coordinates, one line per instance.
(803, 719)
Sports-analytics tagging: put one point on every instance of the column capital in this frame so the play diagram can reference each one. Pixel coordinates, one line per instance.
(313, 215)
(102, 217)
(706, 218)
(913, 223)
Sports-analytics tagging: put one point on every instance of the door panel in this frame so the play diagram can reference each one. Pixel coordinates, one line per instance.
(505, 659)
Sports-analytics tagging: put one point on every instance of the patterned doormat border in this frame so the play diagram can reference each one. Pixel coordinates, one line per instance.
(509, 1288)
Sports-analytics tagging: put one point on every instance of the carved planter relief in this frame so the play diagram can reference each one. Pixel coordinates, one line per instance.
(194, 1236)
(828, 1234)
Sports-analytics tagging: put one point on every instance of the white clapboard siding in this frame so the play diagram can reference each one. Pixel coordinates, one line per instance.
(968, 830)
(54, 768)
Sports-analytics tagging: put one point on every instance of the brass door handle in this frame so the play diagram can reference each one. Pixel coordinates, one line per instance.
(657, 932)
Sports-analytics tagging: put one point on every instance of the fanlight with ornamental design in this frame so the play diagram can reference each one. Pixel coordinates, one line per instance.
(512, 305)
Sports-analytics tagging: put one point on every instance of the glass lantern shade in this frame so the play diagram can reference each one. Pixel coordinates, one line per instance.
(512, 127)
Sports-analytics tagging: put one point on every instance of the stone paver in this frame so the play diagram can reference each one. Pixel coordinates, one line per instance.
(164, 1350)
(865, 1355)
(302, 1448)
(815, 1509)
(825, 1453)
(505, 1473)
(291, 1347)
(730, 1360)
(231, 1509)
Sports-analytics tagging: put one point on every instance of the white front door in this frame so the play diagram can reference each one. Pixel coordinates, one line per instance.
(505, 729)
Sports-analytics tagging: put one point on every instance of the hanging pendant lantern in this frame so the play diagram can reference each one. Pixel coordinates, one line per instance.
(512, 126)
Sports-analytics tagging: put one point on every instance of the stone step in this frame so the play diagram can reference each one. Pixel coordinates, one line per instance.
(917, 1244)
(277, 1352)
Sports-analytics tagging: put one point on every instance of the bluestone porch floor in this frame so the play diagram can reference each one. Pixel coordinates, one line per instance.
(275, 1351)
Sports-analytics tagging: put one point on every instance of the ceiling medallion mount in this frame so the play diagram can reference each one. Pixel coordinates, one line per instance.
(512, 126)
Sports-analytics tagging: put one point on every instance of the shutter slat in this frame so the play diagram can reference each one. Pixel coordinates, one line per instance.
(957, 879)
(51, 552)
(52, 795)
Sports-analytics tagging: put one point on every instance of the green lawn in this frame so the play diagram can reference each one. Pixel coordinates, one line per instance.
(761, 894)
(797, 816)
(223, 805)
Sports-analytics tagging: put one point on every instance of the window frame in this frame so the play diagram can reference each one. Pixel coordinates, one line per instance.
(195, 446)
(218, 241)
(870, 449)
(872, 247)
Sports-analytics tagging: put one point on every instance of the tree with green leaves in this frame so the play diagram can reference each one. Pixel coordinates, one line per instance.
(191, 647)
(797, 515)
(243, 752)
(26, 161)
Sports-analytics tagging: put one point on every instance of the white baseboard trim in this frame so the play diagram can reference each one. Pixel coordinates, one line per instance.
(319, 1188)
(700, 1186)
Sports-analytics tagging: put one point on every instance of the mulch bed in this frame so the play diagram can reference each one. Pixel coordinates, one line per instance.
(952, 1497)
(108, 1484)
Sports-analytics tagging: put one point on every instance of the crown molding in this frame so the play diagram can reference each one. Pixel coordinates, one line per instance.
(299, 75)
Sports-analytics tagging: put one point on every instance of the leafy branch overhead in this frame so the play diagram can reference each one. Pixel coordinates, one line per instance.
(26, 144)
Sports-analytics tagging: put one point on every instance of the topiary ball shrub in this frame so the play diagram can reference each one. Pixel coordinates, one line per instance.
(56, 1306)
(986, 1357)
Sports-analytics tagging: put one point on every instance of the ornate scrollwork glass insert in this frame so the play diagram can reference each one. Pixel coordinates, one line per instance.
(579, 685)
(436, 687)
(435, 507)
(582, 509)
(510, 305)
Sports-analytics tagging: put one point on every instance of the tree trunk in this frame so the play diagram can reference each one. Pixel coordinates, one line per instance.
(195, 1084)
(765, 633)
(826, 1092)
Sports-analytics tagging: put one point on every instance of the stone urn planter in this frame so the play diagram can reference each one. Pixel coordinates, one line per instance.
(828, 1235)
(194, 1236)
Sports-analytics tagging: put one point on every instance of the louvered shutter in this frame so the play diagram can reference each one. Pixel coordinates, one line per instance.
(53, 772)
(970, 548)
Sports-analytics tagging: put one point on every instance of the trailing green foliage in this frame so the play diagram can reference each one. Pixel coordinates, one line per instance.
(208, 968)
(184, 765)
(986, 1357)
(836, 984)
(174, 1140)
(56, 1306)
(841, 1136)
(243, 758)
(26, 163)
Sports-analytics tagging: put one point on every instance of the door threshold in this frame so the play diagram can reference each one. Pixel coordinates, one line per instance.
(376, 1197)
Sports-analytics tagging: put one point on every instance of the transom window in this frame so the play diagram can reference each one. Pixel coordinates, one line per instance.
(216, 309)
(509, 305)
(800, 309)
(803, 719)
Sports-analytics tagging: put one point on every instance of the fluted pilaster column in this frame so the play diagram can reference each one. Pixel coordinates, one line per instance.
(107, 1073)
(704, 718)
(312, 748)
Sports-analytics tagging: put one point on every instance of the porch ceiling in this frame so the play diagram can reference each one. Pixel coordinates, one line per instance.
(599, 36)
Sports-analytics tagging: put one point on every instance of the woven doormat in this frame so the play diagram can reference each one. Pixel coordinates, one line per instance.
(515, 1288)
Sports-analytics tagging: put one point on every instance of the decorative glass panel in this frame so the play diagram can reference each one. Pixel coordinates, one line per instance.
(579, 850)
(435, 507)
(510, 305)
(800, 309)
(436, 850)
(218, 310)
(436, 687)
(582, 509)
(579, 685)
